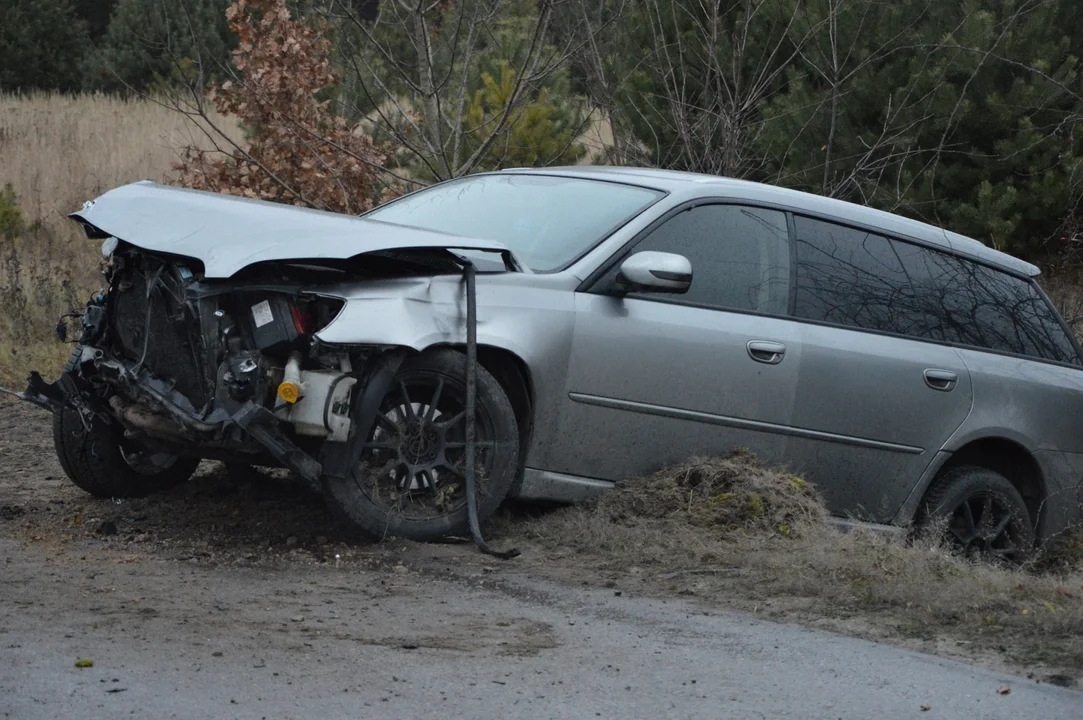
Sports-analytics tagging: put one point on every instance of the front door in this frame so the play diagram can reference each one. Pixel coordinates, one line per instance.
(655, 379)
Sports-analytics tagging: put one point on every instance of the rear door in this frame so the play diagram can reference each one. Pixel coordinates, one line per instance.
(874, 377)
(657, 378)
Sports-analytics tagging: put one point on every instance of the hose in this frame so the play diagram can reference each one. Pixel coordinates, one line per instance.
(469, 272)
(151, 284)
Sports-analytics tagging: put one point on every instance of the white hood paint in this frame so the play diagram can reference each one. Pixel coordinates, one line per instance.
(228, 233)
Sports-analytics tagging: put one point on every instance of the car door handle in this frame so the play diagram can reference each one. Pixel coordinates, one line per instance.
(942, 380)
(765, 351)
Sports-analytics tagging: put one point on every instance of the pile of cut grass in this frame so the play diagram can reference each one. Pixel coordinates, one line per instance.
(719, 495)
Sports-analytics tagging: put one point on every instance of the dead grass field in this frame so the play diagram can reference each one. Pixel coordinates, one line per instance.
(58, 151)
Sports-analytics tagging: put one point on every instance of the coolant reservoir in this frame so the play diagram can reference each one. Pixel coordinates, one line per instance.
(324, 407)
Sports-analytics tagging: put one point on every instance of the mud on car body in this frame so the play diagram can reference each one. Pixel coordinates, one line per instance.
(574, 326)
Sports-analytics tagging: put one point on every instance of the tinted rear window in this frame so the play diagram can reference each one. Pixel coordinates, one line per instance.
(863, 280)
(850, 277)
(987, 308)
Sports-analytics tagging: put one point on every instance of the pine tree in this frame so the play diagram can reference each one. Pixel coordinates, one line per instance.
(149, 41)
(539, 133)
(95, 14)
(42, 45)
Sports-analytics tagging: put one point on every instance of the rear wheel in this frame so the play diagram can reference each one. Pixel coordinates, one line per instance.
(411, 479)
(982, 513)
(101, 462)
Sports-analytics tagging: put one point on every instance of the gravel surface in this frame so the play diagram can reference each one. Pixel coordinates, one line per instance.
(242, 598)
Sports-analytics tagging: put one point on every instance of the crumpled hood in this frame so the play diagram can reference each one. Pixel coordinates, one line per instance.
(228, 233)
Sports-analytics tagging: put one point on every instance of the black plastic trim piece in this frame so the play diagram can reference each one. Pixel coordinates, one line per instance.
(373, 383)
(262, 425)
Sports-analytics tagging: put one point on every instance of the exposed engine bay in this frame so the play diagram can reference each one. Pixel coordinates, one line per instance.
(225, 369)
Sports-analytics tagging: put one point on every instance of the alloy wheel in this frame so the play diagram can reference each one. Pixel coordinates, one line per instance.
(413, 463)
(984, 526)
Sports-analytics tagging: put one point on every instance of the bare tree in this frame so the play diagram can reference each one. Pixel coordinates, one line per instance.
(416, 66)
(837, 56)
(597, 61)
(712, 66)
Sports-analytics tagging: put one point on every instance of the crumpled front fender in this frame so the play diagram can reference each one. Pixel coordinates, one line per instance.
(418, 313)
(406, 313)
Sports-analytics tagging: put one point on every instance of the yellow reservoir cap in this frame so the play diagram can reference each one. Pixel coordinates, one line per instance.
(289, 391)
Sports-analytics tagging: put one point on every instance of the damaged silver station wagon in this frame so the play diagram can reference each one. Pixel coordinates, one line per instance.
(546, 333)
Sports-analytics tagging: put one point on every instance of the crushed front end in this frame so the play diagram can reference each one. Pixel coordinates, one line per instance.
(227, 369)
(206, 344)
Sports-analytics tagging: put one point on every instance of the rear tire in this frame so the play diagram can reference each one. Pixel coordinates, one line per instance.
(96, 460)
(985, 516)
(409, 482)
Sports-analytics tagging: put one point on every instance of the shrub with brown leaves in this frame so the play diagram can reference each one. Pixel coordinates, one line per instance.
(299, 151)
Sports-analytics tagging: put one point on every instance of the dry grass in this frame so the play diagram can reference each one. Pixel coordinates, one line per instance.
(57, 152)
(775, 554)
(723, 496)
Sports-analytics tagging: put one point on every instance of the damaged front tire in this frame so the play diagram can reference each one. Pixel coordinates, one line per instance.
(410, 481)
(97, 461)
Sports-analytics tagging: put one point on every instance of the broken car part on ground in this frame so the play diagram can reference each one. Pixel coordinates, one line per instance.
(574, 326)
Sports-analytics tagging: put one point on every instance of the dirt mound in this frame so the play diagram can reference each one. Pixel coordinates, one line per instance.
(726, 494)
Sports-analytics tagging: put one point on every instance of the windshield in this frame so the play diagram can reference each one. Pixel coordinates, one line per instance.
(546, 221)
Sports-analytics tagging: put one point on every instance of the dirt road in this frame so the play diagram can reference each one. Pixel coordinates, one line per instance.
(245, 601)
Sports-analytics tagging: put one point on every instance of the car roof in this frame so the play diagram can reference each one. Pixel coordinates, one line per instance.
(702, 185)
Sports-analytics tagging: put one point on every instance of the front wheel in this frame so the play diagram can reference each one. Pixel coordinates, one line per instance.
(984, 515)
(411, 479)
(99, 461)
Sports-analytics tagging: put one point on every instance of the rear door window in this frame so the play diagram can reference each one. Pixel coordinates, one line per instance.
(852, 277)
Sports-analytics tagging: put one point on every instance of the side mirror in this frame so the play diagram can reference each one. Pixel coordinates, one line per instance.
(651, 271)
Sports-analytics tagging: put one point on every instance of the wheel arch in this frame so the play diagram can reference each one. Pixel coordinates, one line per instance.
(513, 374)
(1007, 457)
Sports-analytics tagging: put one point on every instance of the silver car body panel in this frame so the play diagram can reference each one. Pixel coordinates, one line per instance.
(529, 316)
(228, 233)
(654, 383)
(1035, 406)
(546, 485)
(624, 386)
(872, 387)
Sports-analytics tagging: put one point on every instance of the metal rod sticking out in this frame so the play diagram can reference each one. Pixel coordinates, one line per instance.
(469, 272)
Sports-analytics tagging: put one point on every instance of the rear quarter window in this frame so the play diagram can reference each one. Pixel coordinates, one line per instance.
(987, 308)
(859, 279)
